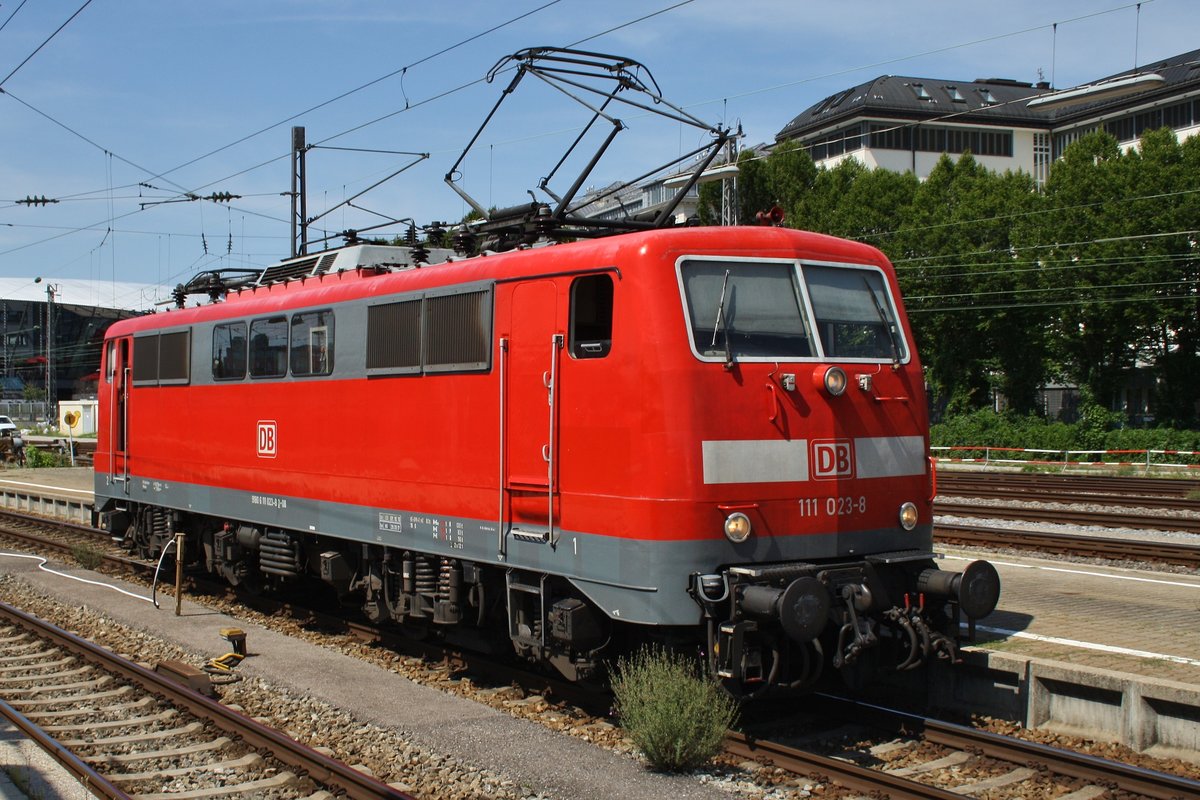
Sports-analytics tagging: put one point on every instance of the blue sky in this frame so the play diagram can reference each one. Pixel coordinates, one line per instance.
(169, 94)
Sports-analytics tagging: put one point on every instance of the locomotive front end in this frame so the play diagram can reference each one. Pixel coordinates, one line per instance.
(815, 472)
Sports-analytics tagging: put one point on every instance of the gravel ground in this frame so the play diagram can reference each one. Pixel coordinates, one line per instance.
(425, 772)
(387, 752)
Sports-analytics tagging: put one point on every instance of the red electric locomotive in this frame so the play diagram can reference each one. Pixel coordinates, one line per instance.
(714, 436)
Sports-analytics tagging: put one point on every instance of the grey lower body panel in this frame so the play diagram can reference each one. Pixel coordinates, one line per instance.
(640, 581)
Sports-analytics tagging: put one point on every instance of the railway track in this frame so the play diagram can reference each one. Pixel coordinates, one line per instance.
(64, 539)
(131, 731)
(1106, 518)
(934, 760)
(842, 770)
(1187, 555)
(1141, 492)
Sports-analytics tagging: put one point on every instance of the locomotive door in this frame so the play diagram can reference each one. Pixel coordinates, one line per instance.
(530, 376)
(118, 377)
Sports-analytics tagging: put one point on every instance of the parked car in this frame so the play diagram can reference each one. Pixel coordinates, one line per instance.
(7, 426)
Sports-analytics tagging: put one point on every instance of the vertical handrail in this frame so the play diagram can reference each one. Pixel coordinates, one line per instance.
(113, 388)
(127, 374)
(556, 343)
(501, 533)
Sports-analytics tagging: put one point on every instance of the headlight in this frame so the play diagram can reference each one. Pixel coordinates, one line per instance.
(834, 380)
(908, 516)
(737, 527)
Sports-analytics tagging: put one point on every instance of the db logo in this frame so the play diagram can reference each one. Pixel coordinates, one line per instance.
(832, 458)
(268, 438)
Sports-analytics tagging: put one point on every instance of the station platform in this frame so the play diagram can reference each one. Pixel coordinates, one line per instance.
(63, 493)
(1096, 651)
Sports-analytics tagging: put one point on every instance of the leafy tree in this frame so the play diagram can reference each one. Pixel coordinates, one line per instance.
(1008, 287)
(1165, 181)
(1088, 265)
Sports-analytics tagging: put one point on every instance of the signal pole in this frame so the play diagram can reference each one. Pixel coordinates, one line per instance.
(51, 400)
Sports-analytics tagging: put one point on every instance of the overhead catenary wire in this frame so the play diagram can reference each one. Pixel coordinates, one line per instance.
(346, 132)
(156, 176)
(43, 44)
(274, 160)
(355, 90)
(13, 14)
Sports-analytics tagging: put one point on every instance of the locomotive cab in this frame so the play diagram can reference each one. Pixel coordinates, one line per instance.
(824, 488)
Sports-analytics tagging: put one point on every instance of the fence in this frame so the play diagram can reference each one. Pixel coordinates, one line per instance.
(1147, 459)
(25, 413)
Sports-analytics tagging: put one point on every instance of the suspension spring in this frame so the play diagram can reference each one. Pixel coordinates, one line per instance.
(426, 576)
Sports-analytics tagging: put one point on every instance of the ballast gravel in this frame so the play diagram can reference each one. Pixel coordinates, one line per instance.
(424, 741)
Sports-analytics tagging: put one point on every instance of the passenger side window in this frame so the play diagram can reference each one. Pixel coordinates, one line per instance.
(591, 316)
(312, 343)
(268, 347)
(229, 351)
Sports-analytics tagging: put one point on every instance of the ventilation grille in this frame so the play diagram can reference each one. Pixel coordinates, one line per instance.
(290, 270)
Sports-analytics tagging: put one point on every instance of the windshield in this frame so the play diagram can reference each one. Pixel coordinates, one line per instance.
(761, 310)
(753, 309)
(854, 314)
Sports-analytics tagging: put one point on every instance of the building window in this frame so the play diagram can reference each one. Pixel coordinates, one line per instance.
(1178, 116)
(1120, 129)
(955, 94)
(891, 137)
(938, 139)
(1147, 121)
(1041, 158)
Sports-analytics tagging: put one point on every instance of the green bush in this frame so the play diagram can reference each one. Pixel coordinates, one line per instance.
(42, 458)
(1097, 429)
(673, 711)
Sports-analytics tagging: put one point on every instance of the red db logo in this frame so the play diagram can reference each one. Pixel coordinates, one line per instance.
(268, 438)
(833, 458)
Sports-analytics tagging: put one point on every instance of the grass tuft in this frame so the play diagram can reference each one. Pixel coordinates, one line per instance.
(676, 714)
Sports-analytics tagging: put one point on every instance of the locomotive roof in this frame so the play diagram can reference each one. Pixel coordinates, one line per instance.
(363, 271)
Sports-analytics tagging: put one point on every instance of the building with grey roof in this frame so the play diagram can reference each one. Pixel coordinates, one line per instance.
(51, 333)
(906, 123)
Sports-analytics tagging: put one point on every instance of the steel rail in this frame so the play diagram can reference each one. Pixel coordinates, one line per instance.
(83, 772)
(843, 773)
(1058, 761)
(1002, 492)
(1093, 769)
(320, 768)
(40, 543)
(1104, 519)
(1069, 544)
(1095, 484)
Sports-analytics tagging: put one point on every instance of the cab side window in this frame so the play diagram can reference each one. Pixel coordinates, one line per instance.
(591, 316)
